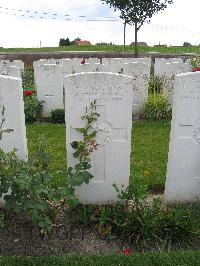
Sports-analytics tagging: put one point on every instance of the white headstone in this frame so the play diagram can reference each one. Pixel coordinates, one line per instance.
(11, 97)
(183, 171)
(69, 64)
(40, 62)
(112, 68)
(86, 68)
(141, 74)
(121, 61)
(167, 72)
(3, 70)
(92, 61)
(13, 71)
(49, 84)
(111, 161)
(19, 64)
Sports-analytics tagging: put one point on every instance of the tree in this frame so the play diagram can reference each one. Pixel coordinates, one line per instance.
(137, 12)
(64, 42)
(187, 44)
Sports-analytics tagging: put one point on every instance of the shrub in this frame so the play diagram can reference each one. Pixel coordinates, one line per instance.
(155, 85)
(140, 221)
(32, 107)
(58, 116)
(28, 79)
(157, 108)
(31, 182)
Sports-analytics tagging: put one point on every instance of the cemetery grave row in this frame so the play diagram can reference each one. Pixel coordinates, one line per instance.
(114, 94)
(13, 69)
(49, 76)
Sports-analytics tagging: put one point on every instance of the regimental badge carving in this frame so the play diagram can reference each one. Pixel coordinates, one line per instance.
(196, 134)
(196, 131)
(103, 133)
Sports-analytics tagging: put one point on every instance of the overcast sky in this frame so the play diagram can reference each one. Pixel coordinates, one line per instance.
(24, 24)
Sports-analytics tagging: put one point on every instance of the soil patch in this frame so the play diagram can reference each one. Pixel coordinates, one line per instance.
(20, 237)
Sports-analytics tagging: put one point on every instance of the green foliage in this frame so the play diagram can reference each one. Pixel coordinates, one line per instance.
(79, 174)
(137, 12)
(142, 220)
(195, 62)
(187, 44)
(58, 116)
(28, 78)
(156, 84)
(2, 217)
(32, 108)
(64, 42)
(137, 191)
(31, 182)
(31, 190)
(157, 108)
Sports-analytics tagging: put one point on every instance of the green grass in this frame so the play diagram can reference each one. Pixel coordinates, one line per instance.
(54, 137)
(148, 157)
(150, 142)
(151, 259)
(107, 48)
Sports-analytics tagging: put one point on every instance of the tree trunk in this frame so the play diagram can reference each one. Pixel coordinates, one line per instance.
(136, 45)
(124, 35)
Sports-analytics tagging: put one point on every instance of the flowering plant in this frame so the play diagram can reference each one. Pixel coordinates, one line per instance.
(28, 93)
(195, 63)
(83, 61)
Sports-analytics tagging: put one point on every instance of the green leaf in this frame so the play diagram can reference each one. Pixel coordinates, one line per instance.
(81, 130)
(76, 154)
(74, 144)
(82, 166)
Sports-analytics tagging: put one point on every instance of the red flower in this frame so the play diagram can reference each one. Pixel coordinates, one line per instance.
(196, 69)
(83, 61)
(28, 93)
(127, 251)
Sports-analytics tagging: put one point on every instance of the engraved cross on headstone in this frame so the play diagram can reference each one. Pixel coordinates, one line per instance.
(106, 135)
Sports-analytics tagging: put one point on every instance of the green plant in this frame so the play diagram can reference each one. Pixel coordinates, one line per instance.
(83, 148)
(32, 108)
(155, 85)
(142, 220)
(31, 182)
(176, 224)
(58, 116)
(195, 62)
(28, 78)
(2, 217)
(136, 191)
(156, 108)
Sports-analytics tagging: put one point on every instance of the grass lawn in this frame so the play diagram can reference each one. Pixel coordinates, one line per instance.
(148, 157)
(107, 48)
(151, 259)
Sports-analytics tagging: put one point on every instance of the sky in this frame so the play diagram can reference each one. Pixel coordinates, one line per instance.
(29, 23)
